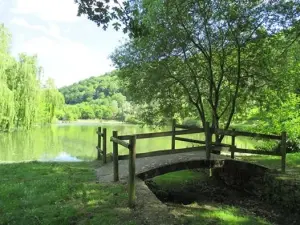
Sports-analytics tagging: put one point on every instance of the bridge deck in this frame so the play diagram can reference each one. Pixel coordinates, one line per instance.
(105, 172)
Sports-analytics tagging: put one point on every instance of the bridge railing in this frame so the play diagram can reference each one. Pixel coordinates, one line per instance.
(101, 150)
(131, 146)
(232, 148)
(129, 142)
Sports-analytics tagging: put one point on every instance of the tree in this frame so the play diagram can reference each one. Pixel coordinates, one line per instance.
(211, 54)
(51, 99)
(22, 98)
(6, 95)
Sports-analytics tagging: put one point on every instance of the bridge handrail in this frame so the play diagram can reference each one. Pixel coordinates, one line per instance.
(246, 134)
(162, 134)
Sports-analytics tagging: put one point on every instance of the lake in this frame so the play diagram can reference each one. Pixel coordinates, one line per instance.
(77, 141)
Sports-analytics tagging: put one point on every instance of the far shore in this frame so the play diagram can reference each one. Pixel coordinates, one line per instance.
(93, 121)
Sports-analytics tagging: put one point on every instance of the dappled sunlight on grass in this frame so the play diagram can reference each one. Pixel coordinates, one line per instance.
(216, 214)
(59, 193)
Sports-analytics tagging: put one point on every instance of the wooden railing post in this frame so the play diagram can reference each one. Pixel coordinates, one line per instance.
(173, 134)
(115, 157)
(131, 181)
(232, 143)
(208, 141)
(283, 151)
(99, 144)
(104, 148)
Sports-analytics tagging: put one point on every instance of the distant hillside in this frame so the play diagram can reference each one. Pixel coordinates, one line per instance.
(91, 89)
(97, 98)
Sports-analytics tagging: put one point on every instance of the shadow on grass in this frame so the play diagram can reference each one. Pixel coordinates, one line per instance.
(59, 193)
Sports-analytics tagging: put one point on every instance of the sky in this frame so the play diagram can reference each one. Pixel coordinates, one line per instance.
(69, 48)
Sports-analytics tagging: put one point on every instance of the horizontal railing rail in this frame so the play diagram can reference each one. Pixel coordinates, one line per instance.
(246, 134)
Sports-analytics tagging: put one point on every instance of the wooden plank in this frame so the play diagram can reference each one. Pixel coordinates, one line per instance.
(233, 143)
(161, 134)
(189, 140)
(115, 157)
(131, 178)
(173, 135)
(104, 145)
(247, 134)
(99, 143)
(120, 142)
(164, 152)
(187, 127)
(220, 145)
(283, 151)
(257, 152)
(98, 149)
(208, 140)
(146, 135)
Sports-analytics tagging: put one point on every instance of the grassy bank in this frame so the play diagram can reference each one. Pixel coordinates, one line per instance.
(274, 162)
(59, 193)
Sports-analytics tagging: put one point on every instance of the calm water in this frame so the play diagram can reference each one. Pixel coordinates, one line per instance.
(77, 141)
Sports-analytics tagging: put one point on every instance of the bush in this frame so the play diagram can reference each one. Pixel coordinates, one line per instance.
(293, 146)
(132, 119)
(191, 122)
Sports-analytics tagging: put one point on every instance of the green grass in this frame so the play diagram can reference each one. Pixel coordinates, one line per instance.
(274, 162)
(178, 178)
(59, 193)
(214, 214)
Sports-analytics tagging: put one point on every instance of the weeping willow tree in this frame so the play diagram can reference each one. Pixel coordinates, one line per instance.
(50, 100)
(6, 95)
(23, 100)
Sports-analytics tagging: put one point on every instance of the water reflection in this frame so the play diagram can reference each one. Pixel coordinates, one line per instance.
(78, 140)
(62, 157)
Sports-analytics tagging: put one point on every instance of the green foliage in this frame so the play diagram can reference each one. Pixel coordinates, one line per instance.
(205, 58)
(191, 122)
(279, 112)
(23, 100)
(97, 98)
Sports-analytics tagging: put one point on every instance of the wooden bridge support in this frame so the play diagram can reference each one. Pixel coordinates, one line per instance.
(283, 151)
(115, 157)
(131, 179)
(99, 144)
(232, 143)
(208, 140)
(101, 150)
(104, 147)
(173, 134)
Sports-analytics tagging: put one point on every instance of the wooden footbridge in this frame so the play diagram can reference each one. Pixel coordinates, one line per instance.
(157, 162)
